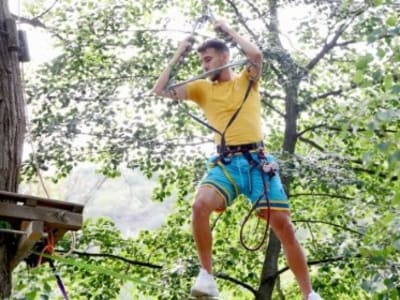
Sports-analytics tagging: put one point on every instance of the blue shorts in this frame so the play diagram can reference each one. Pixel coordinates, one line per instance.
(248, 181)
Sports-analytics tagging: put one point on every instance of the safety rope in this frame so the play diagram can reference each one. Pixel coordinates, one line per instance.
(59, 280)
(265, 169)
(48, 251)
(263, 165)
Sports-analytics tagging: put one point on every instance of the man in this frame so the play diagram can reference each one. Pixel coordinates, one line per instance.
(220, 98)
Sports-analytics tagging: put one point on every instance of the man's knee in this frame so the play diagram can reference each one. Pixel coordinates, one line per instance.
(199, 206)
(206, 201)
(282, 225)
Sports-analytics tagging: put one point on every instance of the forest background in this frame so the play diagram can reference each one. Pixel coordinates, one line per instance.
(331, 115)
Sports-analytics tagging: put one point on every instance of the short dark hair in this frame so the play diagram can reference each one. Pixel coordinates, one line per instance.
(216, 44)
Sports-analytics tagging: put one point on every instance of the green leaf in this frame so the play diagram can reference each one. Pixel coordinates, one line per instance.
(396, 200)
(358, 77)
(396, 244)
(388, 82)
(392, 21)
(395, 157)
(32, 295)
(383, 146)
(363, 61)
(381, 52)
(396, 89)
(5, 224)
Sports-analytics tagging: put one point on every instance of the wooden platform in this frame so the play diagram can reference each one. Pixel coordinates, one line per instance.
(35, 216)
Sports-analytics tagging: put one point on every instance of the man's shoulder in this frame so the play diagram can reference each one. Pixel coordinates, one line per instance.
(199, 84)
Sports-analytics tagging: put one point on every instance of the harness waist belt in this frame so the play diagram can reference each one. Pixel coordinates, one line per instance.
(240, 148)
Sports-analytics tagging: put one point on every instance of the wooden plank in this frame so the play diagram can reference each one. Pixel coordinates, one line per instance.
(34, 232)
(58, 233)
(38, 201)
(57, 218)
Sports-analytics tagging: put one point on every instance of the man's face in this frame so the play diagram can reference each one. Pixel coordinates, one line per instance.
(211, 59)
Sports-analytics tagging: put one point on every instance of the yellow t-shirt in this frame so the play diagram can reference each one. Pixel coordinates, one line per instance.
(220, 100)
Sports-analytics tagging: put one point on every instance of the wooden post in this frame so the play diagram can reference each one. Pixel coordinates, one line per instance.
(12, 129)
(33, 233)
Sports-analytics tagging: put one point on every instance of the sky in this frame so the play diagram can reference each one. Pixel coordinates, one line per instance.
(39, 41)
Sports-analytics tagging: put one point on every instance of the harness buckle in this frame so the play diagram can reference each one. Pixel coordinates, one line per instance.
(269, 168)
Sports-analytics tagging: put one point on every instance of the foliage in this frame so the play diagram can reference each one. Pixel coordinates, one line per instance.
(92, 103)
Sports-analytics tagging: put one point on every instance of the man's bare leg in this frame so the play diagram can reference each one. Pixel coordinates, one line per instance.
(207, 200)
(283, 228)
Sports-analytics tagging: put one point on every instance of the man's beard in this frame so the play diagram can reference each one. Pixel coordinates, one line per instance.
(215, 76)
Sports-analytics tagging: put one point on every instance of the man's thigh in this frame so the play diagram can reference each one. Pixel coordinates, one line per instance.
(210, 197)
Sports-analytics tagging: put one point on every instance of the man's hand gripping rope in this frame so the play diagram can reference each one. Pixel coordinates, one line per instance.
(183, 50)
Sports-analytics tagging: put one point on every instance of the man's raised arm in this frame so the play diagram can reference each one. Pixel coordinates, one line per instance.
(160, 87)
(253, 53)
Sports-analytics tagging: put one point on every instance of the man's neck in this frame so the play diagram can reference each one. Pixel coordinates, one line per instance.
(225, 75)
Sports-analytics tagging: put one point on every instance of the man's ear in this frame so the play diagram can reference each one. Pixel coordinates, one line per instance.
(226, 56)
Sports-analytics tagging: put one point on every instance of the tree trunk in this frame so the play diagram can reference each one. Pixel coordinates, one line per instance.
(12, 129)
(270, 268)
(290, 83)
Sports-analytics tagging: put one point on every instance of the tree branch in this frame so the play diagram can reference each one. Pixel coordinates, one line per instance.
(326, 48)
(228, 278)
(312, 143)
(330, 224)
(375, 172)
(272, 96)
(152, 266)
(35, 22)
(310, 263)
(299, 134)
(311, 100)
(350, 129)
(266, 103)
(47, 10)
(261, 16)
(313, 240)
(112, 256)
(243, 22)
(332, 43)
(317, 262)
(321, 195)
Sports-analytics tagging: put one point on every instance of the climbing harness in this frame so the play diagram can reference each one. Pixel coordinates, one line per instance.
(265, 168)
(268, 169)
